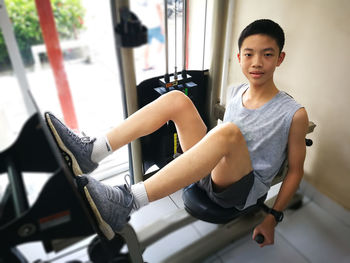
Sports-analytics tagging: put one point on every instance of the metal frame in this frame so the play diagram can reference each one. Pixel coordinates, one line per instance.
(220, 14)
(129, 92)
(15, 57)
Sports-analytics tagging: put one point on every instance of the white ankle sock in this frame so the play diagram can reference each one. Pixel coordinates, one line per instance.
(101, 149)
(140, 195)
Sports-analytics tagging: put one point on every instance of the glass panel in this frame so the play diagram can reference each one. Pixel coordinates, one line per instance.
(13, 112)
(150, 58)
(152, 55)
(90, 64)
(34, 182)
(199, 43)
(4, 182)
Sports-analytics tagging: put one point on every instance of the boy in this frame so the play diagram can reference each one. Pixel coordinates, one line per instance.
(234, 163)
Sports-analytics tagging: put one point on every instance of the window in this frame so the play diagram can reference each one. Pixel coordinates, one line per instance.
(90, 65)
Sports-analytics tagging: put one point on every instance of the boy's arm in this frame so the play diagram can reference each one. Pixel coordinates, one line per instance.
(296, 157)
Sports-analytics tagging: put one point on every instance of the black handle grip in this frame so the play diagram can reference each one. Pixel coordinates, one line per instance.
(259, 238)
(308, 142)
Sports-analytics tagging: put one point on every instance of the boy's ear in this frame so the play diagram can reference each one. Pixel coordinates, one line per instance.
(281, 58)
(239, 57)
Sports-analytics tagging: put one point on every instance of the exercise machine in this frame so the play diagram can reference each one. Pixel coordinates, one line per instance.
(58, 217)
(161, 147)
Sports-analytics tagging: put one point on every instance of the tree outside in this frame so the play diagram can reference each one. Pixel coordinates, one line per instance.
(69, 18)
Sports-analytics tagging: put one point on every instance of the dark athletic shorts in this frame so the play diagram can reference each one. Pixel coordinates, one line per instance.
(233, 196)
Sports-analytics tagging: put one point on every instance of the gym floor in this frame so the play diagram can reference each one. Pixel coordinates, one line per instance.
(309, 234)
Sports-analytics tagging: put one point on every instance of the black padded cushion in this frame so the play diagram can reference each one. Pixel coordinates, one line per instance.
(32, 150)
(198, 204)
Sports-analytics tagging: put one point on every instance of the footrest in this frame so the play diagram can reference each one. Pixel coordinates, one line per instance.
(198, 204)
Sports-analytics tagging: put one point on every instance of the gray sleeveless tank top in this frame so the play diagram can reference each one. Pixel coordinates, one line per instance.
(266, 132)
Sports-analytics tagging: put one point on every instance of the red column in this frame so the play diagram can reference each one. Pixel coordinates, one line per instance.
(54, 53)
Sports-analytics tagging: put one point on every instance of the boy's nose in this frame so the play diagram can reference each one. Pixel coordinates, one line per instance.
(257, 61)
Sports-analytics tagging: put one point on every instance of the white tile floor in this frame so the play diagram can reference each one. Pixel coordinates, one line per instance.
(310, 234)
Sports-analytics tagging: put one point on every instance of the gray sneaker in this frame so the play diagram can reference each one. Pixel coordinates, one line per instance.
(111, 205)
(76, 150)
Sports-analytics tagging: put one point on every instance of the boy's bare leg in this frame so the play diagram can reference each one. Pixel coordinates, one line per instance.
(173, 106)
(84, 153)
(222, 151)
(112, 205)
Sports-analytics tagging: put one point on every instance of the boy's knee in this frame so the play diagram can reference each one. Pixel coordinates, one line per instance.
(230, 133)
(179, 100)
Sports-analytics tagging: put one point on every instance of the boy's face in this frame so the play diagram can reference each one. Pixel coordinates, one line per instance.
(259, 56)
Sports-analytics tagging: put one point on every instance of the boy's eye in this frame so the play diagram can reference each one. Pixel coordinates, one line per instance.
(268, 54)
(247, 54)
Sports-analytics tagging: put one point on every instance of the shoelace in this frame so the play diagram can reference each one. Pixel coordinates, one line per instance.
(83, 141)
(127, 183)
(128, 188)
(86, 139)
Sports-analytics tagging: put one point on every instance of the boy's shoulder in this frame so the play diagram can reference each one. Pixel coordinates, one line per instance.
(233, 89)
(284, 105)
(286, 97)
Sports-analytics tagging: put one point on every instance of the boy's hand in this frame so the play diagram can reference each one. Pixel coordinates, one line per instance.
(267, 229)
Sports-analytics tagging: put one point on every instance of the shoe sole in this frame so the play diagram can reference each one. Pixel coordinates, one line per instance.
(76, 170)
(103, 226)
(104, 229)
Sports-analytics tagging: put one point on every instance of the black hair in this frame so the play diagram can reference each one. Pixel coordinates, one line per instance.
(264, 27)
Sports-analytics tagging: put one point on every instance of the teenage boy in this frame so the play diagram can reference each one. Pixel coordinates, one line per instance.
(234, 163)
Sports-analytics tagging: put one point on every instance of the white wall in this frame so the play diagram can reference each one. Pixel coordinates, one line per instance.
(316, 73)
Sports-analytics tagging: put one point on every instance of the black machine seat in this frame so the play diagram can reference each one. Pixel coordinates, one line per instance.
(198, 204)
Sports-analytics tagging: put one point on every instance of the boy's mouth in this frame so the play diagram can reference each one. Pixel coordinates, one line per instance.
(256, 74)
